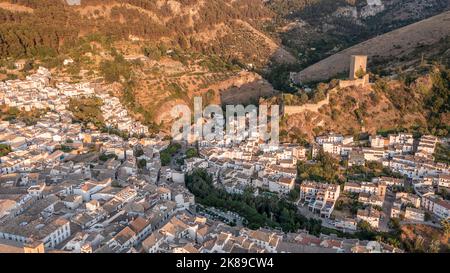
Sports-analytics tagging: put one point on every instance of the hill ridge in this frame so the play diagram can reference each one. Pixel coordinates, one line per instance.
(394, 43)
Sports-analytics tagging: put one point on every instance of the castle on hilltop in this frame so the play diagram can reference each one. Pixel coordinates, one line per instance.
(358, 72)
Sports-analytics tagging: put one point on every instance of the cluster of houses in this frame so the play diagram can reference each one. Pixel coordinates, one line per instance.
(249, 164)
(401, 153)
(411, 207)
(74, 207)
(35, 92)
(414, 207)
(68, 189)
(61, 185)
(372, 196)
(160, 229)
(34, 147)
(117, 116)
(320, 197)
(186, 233)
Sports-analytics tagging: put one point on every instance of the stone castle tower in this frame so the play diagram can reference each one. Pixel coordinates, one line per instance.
(358, 72)
(357, 63)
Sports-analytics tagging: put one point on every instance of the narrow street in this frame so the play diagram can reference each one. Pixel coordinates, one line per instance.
(386, 213)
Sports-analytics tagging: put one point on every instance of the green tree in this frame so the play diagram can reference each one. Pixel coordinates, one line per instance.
(360, 73)
(445, 223)
(4, 150)
(191, 152)
(325, 169)
(138, 152)
(87, 110)
(294, 194)
(165, 158)
(114, 70)
(258, 211)
(142, 163)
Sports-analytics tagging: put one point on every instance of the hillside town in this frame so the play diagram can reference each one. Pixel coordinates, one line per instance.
(65, 187)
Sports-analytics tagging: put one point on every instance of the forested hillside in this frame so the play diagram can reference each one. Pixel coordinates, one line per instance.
(153, 53)
(53, 26)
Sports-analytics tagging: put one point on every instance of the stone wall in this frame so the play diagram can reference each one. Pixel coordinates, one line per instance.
(312, 107)
(358, 82)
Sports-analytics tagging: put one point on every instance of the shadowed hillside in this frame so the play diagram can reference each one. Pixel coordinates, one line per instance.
(393, 45)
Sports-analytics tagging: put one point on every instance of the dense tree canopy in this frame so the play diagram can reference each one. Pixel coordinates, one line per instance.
(264, 210)
(87, 110)
(4, 149)
(326, 169)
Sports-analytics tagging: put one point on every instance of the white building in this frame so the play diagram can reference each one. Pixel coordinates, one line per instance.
(413, 214)
(439, 207)
(283, 185)
(370, 215)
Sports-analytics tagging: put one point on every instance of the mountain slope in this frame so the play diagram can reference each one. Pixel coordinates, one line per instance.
(154, 54)
(48, 26)
(316, 29)
(394, 44)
